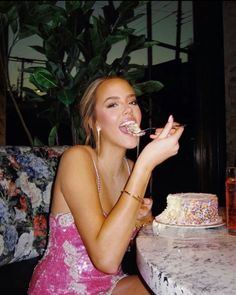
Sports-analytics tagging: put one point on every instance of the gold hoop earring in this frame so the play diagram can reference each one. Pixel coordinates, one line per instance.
(98, 143)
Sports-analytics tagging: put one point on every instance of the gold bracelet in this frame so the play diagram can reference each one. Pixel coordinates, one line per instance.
(138, 198)
(139, 226)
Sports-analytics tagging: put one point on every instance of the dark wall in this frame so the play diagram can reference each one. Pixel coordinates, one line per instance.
(178, 173)
(194, 93)
(210, 151)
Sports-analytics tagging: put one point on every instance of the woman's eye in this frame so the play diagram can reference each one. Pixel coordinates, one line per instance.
(112, 105)
(134, 102)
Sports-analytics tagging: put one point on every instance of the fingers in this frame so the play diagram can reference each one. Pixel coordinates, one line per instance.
(156, 135)
(166, 130)
(170, 128)
(178, 132)
(147, 201)
(147, 204)
(145, 214)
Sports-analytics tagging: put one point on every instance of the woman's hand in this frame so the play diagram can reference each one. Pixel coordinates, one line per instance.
(165, 144)
(144, 215)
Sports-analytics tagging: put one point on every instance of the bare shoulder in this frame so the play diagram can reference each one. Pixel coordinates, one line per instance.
(74, 176)
(75, 159)
(80, 152)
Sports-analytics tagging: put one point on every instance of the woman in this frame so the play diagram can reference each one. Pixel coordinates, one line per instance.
(98, 199)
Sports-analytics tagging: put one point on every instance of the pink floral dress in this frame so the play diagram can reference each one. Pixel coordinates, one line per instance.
(66, 267)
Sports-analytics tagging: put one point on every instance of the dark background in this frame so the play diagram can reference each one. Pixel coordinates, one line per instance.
(194, 94)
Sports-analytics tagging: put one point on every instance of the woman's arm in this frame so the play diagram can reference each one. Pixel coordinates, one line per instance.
(106, 239)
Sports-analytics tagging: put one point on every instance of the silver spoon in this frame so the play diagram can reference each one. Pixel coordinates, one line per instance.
(144, 131)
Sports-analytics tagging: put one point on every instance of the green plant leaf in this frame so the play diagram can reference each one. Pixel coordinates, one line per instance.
(57, 70)
(38, 142)
(43, 79)
(134, 43)
(32, 95)
(5, 6)
(120, 16)
(148, 87)
(119, 36)
(66, 96)
(134, 73)
(76, 42)
(52, 138)
(39, 49)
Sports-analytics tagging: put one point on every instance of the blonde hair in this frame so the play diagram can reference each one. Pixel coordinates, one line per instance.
(87, 110)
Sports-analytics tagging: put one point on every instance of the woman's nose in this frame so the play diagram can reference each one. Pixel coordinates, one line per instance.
(127, 109)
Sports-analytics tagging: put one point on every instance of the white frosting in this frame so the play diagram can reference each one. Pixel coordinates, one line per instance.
(190, 209)
(133, 128)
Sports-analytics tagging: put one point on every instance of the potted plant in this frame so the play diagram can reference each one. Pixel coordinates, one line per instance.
(76, 43)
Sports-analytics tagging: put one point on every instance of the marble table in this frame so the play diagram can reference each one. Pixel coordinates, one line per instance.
(187, 262)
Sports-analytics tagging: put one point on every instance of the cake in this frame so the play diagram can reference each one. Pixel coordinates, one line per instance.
(193, 209)
(133, 128)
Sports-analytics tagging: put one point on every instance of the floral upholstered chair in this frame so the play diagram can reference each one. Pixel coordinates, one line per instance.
(26, 178)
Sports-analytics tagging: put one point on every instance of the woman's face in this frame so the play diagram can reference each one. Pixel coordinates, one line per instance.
(115, 104)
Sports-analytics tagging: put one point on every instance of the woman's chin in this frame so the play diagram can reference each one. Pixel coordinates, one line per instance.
(132, 145)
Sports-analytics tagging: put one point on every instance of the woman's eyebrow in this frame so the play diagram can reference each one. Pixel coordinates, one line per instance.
(117, 97)
(131, 95)
(111, 97)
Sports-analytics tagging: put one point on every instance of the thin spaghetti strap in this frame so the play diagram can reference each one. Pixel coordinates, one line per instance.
(98, 177)
(99, 186)
(127, 164)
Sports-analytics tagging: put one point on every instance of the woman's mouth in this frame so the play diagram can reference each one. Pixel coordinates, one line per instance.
(130, 127)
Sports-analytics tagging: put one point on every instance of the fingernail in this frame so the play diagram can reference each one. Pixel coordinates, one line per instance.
(170, 118)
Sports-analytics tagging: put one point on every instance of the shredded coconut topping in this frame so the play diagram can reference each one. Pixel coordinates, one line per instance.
(133, 128)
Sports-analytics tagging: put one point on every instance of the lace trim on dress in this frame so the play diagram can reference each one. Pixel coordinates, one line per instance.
(65, 219)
